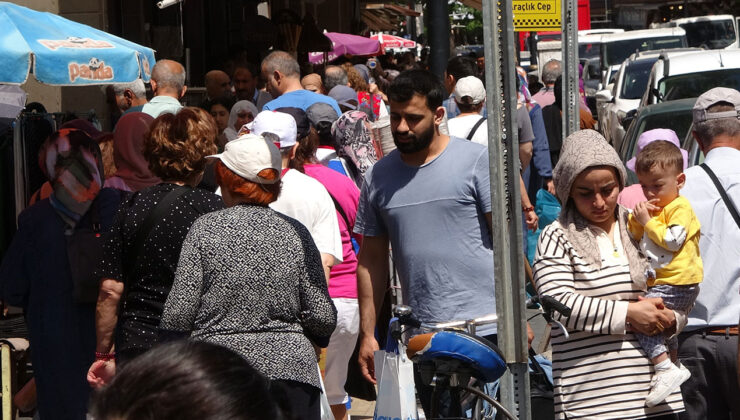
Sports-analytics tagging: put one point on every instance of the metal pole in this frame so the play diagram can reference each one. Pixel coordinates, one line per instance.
(411, 20)
(571, 99)
(503, 152)
(19, 167)
(439, 36)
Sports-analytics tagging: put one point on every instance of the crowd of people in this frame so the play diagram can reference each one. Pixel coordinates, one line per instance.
(198, 262)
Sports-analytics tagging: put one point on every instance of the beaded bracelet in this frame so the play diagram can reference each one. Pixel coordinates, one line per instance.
(104, 356)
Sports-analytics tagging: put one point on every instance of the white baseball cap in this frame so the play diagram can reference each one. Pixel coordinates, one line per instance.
(279, 123)
(472, 87)
(248, 155)
(713, 97)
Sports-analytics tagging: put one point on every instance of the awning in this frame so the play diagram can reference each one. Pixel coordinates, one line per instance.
(475, 4)
(385, 17)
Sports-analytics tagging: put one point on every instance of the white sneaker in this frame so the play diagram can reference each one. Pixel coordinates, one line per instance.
(664, 382)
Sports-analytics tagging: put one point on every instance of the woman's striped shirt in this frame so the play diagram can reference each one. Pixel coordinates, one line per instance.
(600, 372)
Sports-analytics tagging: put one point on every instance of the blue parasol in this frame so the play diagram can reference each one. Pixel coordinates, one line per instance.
(61, 52)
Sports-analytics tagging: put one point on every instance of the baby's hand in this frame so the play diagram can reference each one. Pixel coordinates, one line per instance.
(643, 209)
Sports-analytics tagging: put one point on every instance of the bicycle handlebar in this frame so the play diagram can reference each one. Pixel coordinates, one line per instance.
(549, 305)
(405, 318)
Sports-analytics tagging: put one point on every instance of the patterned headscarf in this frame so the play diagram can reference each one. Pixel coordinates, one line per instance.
(354, 139)
(582, 150)
(72, 163)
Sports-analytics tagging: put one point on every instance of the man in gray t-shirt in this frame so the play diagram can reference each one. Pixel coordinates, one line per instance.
(430, 199)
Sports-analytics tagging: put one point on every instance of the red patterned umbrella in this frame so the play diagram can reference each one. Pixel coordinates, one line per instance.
(392, 41)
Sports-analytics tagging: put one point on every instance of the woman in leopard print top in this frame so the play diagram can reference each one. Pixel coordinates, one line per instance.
(251, 279)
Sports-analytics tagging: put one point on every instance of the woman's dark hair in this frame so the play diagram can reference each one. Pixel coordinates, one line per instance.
(186, 380)
(225, 101)
(306, 151)
(417, 82)
(323, 129)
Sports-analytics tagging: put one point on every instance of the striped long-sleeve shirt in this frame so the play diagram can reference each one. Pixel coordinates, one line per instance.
(601, 371)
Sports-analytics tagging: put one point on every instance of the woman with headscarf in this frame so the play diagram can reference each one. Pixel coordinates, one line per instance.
(587, 260)
(243, 112)
(313, 83)
(38, 270)
(132, 168)
(355, 144)
(88, 128)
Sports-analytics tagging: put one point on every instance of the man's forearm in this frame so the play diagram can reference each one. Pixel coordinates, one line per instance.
(370, 296)
(106, 314)
(372, 282)
(525, 154)
(327, 261)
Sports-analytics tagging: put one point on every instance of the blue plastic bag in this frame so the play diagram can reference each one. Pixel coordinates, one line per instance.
(547, 208)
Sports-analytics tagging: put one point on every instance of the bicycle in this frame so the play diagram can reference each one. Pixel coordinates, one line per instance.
(449, 358)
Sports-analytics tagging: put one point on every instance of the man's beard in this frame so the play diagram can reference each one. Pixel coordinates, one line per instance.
(417, 142)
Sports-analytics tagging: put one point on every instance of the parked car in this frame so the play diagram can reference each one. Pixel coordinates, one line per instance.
(709, 32)
(675, 115)
(625, 93)
(615, 48)
(696, 156)
(624, 96)
(691, 74)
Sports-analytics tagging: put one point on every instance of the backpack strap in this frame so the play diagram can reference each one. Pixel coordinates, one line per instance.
(341, 212)
(722, 193)
(475, 128)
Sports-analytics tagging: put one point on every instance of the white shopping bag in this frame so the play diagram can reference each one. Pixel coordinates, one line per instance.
(396, 392)
(326, 413)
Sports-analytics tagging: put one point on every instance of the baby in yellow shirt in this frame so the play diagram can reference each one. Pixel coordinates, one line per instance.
(668, 231)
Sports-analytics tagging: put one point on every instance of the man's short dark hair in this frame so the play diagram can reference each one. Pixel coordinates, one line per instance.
(418, 82)
(469, 107)
(462, 66)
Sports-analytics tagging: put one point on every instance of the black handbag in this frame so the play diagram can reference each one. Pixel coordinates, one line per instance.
(540, 391)
(84, 253)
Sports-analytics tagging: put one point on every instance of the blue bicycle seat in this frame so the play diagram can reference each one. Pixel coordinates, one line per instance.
(478, 354)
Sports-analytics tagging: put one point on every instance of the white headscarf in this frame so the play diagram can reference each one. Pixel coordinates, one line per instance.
(230, 132)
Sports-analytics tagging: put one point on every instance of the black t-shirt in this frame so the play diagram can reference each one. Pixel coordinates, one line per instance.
(145, 294)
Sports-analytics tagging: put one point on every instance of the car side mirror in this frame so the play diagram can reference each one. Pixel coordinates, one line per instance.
(628, 118)
(604, 96)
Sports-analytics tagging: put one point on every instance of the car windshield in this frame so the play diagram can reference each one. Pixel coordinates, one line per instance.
(615, 52)
(678, 121)
(636, 77)
(589, 50)
(692, 85)
(710, 34)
